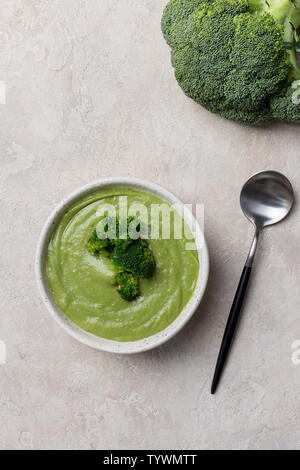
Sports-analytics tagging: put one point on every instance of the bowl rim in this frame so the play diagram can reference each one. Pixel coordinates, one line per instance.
(96, 342)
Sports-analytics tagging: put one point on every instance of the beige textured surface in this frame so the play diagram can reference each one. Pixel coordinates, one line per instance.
(91, 93)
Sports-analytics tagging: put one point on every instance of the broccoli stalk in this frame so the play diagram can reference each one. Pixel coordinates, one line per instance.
(95, 246)
(287, 13)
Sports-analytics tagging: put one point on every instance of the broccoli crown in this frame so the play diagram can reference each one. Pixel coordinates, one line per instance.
(128, 286)
(131, 257)
(236, 57)
(137, 258)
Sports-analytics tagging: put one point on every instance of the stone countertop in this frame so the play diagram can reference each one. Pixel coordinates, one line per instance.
(90, 93)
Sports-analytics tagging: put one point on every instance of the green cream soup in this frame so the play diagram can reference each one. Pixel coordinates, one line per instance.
(84, 286)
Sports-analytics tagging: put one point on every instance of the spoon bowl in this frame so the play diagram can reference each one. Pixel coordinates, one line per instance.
(267, 198)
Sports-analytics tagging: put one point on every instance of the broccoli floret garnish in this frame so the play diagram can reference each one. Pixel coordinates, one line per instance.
(137, 258)
(132, 258)
(128, 286)
(95, 246)
(237, 57)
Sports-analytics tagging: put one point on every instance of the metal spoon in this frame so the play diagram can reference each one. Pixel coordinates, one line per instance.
(266, 199)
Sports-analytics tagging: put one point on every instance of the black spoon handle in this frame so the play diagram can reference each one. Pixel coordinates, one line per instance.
(231, 325)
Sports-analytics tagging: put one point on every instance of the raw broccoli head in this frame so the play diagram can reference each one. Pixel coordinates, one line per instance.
(236, 57)
(137, 258)
(128, 286)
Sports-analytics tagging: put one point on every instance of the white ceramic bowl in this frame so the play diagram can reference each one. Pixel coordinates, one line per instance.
(88, 338)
